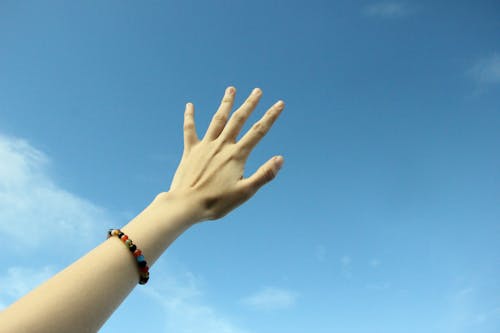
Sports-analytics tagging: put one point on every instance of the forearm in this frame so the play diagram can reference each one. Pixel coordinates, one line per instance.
(207, 185)
(83, 296)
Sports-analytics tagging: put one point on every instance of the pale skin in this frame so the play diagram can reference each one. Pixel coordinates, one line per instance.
(208, 184)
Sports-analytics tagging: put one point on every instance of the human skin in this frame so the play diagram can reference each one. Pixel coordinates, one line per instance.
(207, 185)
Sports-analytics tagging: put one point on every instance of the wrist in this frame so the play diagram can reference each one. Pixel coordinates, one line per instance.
(185, 205)
(160, 223)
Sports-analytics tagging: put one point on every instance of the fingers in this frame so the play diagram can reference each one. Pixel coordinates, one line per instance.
(220, 117)
(262, 176)
(233, 127)
(190, 136)
(260, 128)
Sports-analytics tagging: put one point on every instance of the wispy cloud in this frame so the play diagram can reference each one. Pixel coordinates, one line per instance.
(490, 315)
(345, 267)
(18, 281)
(320, 253)
(271, 298)
(486, 70)
(34, 210)
(459, 295)
(185, 311)
(388, 9)
(378, 286)
(375, 263)
(467, 311)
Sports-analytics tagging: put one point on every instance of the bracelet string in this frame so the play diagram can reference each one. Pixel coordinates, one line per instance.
(141, 262)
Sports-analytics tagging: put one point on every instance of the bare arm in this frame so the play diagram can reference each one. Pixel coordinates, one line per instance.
(207, 185)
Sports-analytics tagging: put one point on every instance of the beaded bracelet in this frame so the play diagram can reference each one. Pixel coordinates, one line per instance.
(141, 262)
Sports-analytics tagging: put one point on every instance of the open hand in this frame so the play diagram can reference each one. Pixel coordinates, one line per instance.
(210, 172)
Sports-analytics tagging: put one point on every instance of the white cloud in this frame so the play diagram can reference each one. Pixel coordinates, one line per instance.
(374, 263)
(345, 260)
(271, 299)
(464, 292)
(345, 268)
(18, 281)
(378, 286)
(485, 317)
(37, 213)
(486, 70)
(466, 310)
(38, 216)
(185, 311)
(388, 9)
(320, 253)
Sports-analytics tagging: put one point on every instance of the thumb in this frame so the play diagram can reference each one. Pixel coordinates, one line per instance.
(264, 174)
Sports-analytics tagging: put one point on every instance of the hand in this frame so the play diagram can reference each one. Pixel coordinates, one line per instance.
(210, 173)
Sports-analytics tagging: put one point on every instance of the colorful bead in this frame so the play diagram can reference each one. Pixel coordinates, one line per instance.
(141, 261)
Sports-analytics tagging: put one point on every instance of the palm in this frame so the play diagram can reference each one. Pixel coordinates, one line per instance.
(213, 167)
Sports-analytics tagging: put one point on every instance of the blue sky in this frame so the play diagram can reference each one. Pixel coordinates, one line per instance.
(384, 218)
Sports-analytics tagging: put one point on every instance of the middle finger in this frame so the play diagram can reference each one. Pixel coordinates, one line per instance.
(240, 116)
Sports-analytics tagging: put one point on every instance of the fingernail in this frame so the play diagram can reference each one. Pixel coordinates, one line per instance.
(256, 91)
(280, 104)
(278, 162)
(230, 90)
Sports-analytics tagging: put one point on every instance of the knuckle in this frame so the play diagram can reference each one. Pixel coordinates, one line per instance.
(226, 100)
(219, 117)
(248, 192)
(189, 126)
(269, 175)
(252, 102)
(241, 152)
(271, 114)
(242, 147)
(239, 118)
(259, 129)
